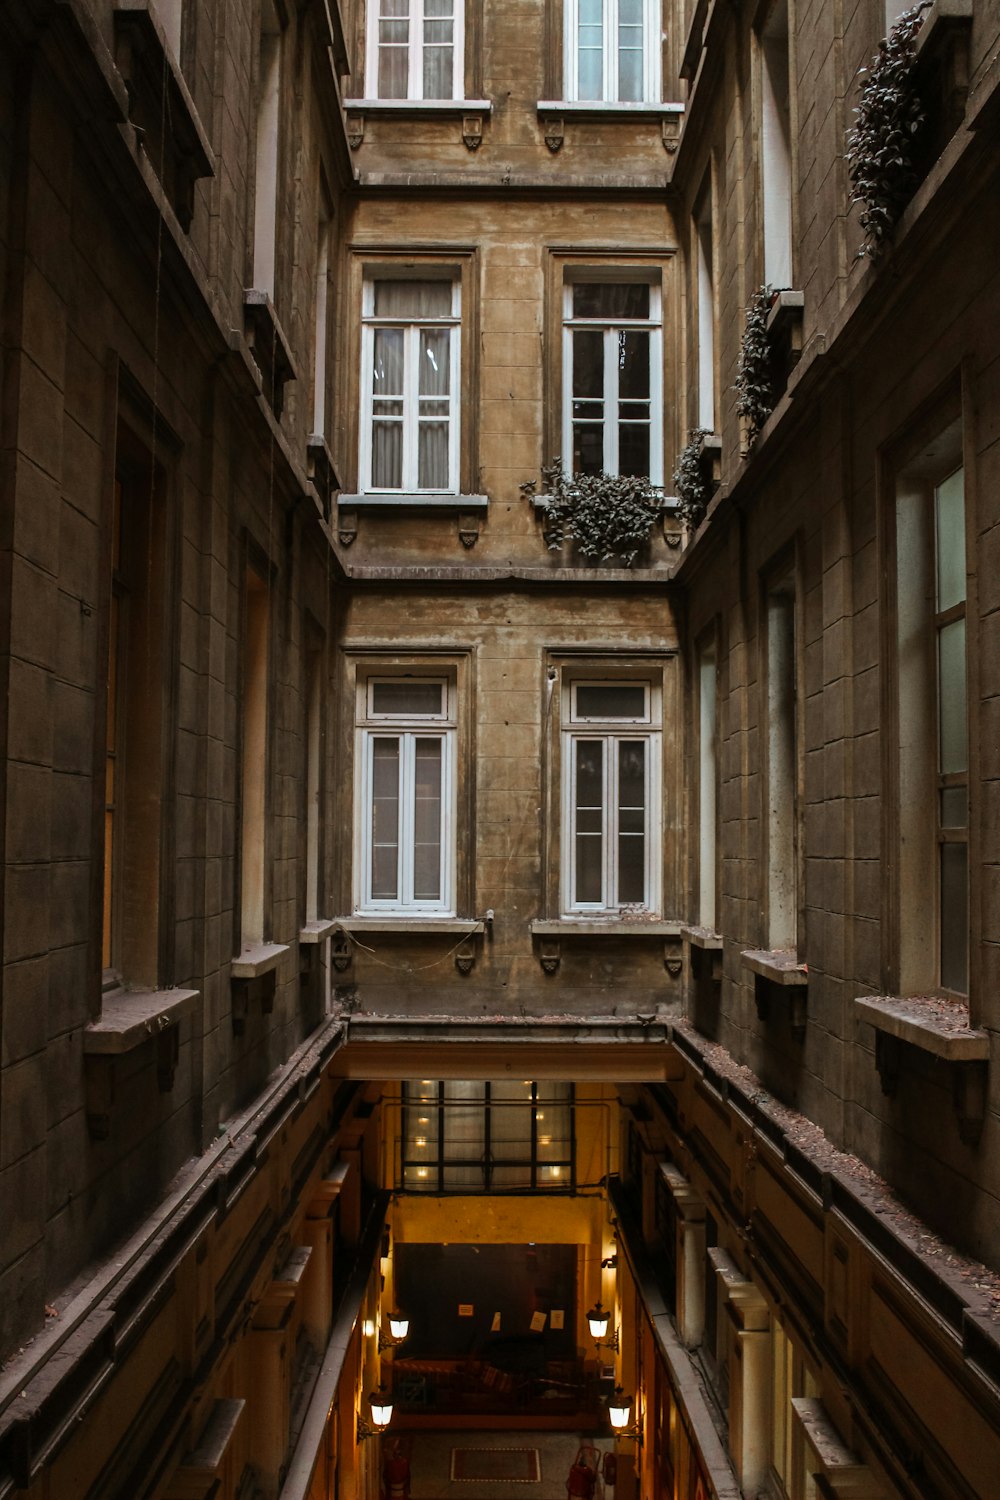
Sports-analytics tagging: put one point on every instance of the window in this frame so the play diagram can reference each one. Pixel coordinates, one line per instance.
(931, 651)
(781, 784)
(705, 304)
(776, 146)
(611, 777)
(707, 780)
(790, 1458)
(133, 832)
(487, 1137)
(410, 385)
(612, 376)
(612, 50)
(324, 225)
(406, 754)
(313, 676)
(415, 49)
(253, 864)
(266, 159)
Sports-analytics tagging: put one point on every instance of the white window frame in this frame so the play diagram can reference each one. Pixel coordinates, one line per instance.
(651, 49)
(616, 276)
(407, 729)
(415, 49)
(577, 727)
(411, 395)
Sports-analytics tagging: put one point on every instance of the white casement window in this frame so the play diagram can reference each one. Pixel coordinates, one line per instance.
(406, 803)
(612, 50)
(415, 49)
(776, 146)
(952, 731)
(705, 303)
(410, 386)
(612, 376)
(611, 778)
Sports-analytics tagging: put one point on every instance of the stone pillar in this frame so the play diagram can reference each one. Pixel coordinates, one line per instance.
(749, 1384)
(690, 1253)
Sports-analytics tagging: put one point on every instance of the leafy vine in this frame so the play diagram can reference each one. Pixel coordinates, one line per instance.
(605, 515)
(691, 487)
(755, 368)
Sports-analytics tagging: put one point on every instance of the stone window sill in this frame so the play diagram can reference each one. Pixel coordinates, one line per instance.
(777, 967)
(414, 502)
(256, 959)
(603, 109)
(942, 15)
(926, 1024)
(401, 108)
(317, 931)
(414, 926)
(130, 1017)
(269, 346)
(703, 937)
(322, 470)
(604, 927)
(201, 1465)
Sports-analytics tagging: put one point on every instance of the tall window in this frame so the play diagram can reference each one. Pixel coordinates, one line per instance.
(266, 160)
(482, 1137)
(415, 49)
(611, 761)
(320, 315)
(254, 757)
(405, 836)
(707, 776)
(705, 302)
(782, 766)
(134, 719)
(612, 377)
(411, 380)
(612, 50)
(776, 146)
(932, 672)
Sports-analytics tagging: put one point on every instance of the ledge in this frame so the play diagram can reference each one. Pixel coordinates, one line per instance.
(130, 1017)
(603, 927)
(943, 13)
(703, 937)
(911, 1021)
(269, 346)
(838, 1462)
(416, 926)
(778, 967)
(205, 1459)
(318, 930)
(255, 959)
(604, 109)
(443, 108)
(413, 502)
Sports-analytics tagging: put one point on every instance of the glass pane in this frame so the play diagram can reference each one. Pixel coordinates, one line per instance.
(952, 697)
(421, 1141)
(387, 365)
(633, 448)
(510, 1122)
(412, 299)
(590, 50)
(393, 59)
(464, 1126)
(432, 466)
(435, 365)
(589, 820)
(407, 699)
(955, 917)
(954, 807)
(511, 1178)
(588, 362)
(439, 60)
(588, 448)
(553, 1122)
(632, 821)
(387, 455)
(464, 1179)
(633, 364)
(630, 49)
(427, 820)
(949, 519)
(625, 700)
(385, 819)
(611, 300)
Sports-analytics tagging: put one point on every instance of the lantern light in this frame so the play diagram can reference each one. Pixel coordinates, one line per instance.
(598, 1321)
(619, 1410)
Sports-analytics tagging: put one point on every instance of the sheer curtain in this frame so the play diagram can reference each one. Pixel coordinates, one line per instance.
(439, 49)
(411, 407)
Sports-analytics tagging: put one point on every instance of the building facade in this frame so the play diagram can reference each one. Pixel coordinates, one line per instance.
(391, 877)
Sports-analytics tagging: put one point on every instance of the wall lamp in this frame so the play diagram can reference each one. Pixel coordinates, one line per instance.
(380, 1405)
(598, 1320)
(399, 1327)
(620, 1412)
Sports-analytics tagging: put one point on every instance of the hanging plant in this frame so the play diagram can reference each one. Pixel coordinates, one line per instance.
(754, 371)
(605, 515)
(882, 147)
(690, 485)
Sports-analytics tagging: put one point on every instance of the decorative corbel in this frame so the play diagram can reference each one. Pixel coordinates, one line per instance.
(472, 131)
(355, 130)
(465, 956)
(549, 954)
(670, 132)
(347, 526)
(468, 529)
(554, 132)
(673, 956)
(340, 950)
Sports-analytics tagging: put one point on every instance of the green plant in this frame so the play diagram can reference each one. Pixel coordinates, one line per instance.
(605, 515)
(882, 146)
(754, 370)
(690, 485)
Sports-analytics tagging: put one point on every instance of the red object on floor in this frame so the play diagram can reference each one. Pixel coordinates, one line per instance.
(582, 1479)
(396, 1472)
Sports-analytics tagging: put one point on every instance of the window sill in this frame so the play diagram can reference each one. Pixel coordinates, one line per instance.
(401, 108)
(603, 109)
(322, 470)
(257, 959)
(130, 1017)
(269, 346)
(776, 967)
(604, 927)
(943, 14)
(318, 931)
(703, 937)
(415, 926)
(925, 1023)
(377, 501)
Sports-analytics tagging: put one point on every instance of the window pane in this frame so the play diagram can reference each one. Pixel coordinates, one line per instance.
(393, 52)
(385, 819)
(387, 455)
(421, 1142)
(387, 367)
(412, 299)
(510, 1121)
(435, 364)
(407, 699)
(949, 518)
(590, 50)
(589, 820)
(427, 820)
(630, 49)
(633, 364)
(633, 448)
(588, 448)
(954, 807)
(588, 363)
(952, 697)
(632, 820)
(611, 300)
(626, 700)
(955, 917)
(464, 1122)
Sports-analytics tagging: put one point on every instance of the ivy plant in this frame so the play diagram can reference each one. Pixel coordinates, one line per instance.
(754, 370)
(883, 144)
(606, 516)
(690, 485)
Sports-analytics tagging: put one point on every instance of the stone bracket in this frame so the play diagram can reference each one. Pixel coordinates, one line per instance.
(355, 130)
(347, 526)
(468, 528)
(341, 952)
(243, 991)
(673, 956)
(472, 131)
(793, 1000)
(465, 955)
(549, 954)
(670, 132)
(554, 129)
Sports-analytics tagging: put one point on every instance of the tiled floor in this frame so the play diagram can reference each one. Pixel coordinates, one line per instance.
(430, 1464)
